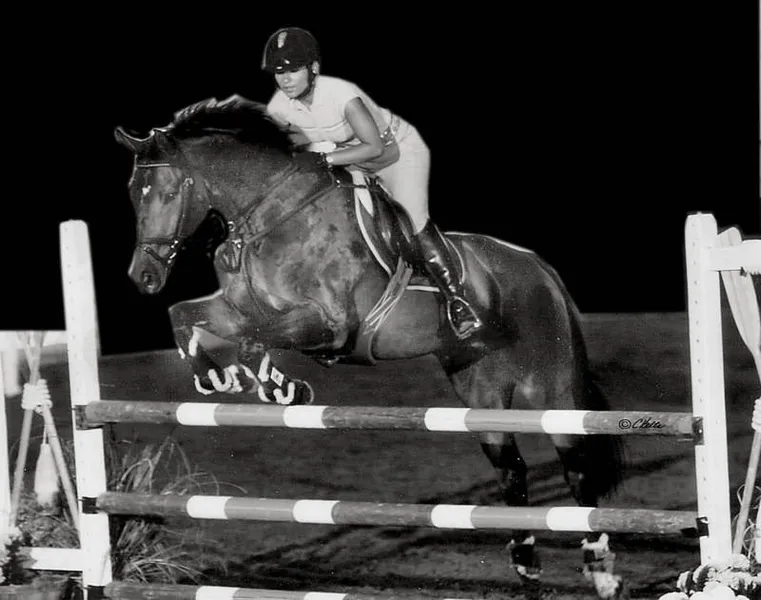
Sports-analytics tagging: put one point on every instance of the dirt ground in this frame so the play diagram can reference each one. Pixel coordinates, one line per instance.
(643, 362)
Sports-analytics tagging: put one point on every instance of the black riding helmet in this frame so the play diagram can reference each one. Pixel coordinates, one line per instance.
(288, 49)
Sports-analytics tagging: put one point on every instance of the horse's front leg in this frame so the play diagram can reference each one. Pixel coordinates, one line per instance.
(302, 327)
(254, 368)
(213, 315)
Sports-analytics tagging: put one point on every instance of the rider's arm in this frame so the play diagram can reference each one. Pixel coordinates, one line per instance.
(366, 131)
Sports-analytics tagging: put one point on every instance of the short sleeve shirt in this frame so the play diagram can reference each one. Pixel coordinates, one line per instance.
(324, 120)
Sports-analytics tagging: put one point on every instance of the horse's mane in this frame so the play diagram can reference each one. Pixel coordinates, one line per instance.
(246, 120)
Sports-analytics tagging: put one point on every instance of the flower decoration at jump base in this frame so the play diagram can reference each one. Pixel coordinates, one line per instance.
(739, 578)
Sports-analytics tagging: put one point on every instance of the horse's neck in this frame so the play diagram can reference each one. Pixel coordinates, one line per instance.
(279, 193)
(233, 195)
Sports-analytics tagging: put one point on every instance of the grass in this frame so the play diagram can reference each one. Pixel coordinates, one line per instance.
(148, 549)
(144, 549)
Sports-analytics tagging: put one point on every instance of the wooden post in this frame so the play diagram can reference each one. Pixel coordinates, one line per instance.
(5, 466)
(82, 348)
(707, 386)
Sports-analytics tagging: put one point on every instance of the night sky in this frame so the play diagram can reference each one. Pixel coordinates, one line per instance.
(586, 134)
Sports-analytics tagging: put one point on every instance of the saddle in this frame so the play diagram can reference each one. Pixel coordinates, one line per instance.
(389, 234)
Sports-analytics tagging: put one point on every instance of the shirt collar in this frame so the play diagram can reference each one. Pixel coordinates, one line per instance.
(299, 105)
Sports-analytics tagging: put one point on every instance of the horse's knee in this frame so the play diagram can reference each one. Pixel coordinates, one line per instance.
(502, 451)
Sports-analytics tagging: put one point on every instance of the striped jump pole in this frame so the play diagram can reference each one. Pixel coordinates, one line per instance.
(140, 591)
(439, 516)
(209, 414)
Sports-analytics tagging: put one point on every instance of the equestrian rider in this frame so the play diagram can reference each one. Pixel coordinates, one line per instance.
(323, 112)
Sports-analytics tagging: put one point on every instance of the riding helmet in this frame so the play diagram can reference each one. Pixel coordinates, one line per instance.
(288, 49)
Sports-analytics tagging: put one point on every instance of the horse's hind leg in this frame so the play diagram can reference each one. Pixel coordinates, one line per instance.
(485, 384)
(581, 465)
(592, 466)
(504, 455)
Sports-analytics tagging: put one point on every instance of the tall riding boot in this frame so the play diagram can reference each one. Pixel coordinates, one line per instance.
(439, 265)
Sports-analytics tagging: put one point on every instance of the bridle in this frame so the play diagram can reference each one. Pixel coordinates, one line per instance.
(174, 243)
(238, 225)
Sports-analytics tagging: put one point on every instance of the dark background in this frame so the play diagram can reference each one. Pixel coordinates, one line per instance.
(587, 134)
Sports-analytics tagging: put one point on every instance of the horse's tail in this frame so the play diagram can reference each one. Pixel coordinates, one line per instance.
(603, 454)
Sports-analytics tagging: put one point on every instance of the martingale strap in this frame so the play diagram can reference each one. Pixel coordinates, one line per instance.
(321, 191)
(244, 234)
(325, 185)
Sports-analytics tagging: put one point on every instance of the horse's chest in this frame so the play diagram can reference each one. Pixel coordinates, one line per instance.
(310, 257)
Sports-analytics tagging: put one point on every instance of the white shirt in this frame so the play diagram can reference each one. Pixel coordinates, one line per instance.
(325, 120)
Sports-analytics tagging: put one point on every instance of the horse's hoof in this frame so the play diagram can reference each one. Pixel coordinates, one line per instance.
(296, 392)
(609, 586)
(525, 562)
(304, 394)
(203, 385)
(599, 563)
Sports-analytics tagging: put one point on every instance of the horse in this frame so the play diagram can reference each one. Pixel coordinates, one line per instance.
(316, 259)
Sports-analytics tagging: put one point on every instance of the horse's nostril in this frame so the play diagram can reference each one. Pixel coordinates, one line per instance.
(148, 280)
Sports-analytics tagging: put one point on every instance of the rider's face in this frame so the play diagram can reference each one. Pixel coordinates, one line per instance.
(293, 83)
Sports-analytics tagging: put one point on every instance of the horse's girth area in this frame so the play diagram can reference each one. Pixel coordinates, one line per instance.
(316, 257)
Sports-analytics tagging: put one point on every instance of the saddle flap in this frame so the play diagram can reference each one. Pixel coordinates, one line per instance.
(385, 226)
(389, 233)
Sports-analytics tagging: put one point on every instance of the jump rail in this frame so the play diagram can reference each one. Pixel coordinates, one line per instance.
(209, 414)
(138, 591)
(439, 516)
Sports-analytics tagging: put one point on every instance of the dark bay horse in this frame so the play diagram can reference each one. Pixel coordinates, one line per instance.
(303, 267)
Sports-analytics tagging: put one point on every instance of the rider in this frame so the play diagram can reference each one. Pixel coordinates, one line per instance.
(324, 112)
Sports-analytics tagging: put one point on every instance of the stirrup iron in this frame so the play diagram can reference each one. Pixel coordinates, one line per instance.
(472, 321)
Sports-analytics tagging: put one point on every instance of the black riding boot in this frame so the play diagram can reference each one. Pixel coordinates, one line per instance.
(438, 263)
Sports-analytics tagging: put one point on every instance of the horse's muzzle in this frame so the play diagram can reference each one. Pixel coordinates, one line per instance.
(146, 274)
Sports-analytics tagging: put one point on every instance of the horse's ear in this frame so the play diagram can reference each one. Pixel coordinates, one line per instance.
(164, 144)
(130, 142)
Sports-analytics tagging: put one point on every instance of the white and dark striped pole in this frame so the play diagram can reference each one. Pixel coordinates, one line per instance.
(439, 516)
(141, 591)
(209, 414)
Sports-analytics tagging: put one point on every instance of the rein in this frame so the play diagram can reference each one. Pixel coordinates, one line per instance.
(244, 216)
